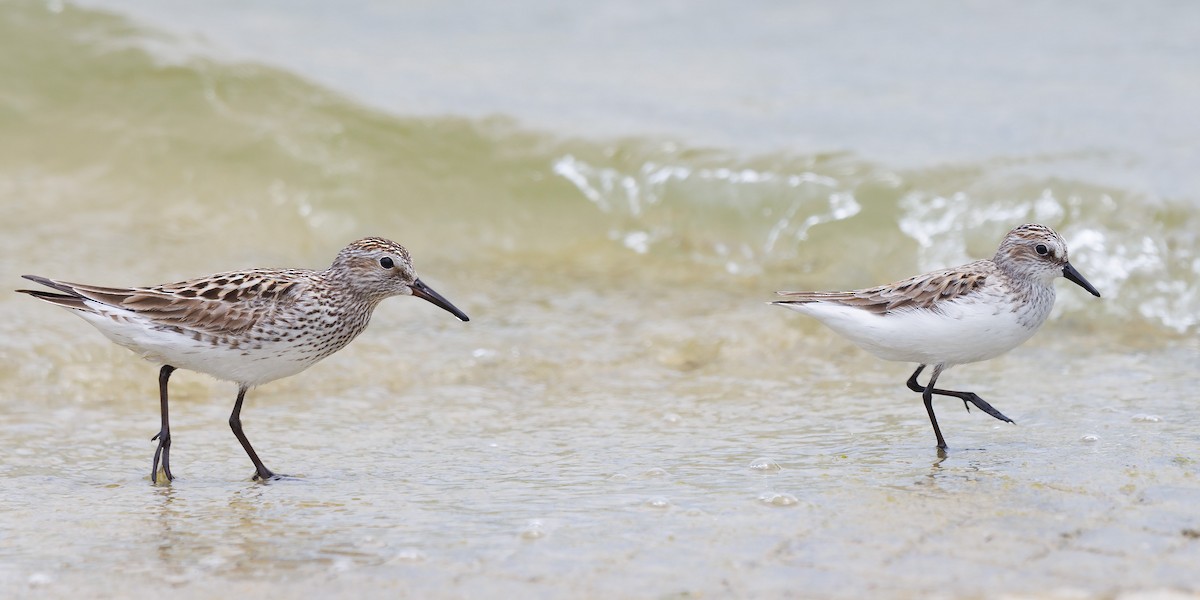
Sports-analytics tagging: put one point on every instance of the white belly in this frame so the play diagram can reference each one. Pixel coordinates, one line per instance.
(252, 362)
(958, 333)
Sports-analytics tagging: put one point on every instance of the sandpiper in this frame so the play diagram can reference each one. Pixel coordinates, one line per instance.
(970, 313)
(249, 327)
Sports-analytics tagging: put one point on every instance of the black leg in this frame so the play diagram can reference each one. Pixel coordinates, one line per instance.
(912, 381)
(927, 395)
(916, 387)
(164, 433)
(979, 403)
(928, 391)
(235, 423)
(966, 397)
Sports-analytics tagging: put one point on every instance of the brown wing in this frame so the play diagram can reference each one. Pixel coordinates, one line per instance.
(219, 304)
(922, 291)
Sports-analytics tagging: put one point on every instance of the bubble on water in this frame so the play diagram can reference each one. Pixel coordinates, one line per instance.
(777, 499)
(40, 579)
(176, 579)
(211, 561)
(1089, 438)
(409, 555)
(533, 530)
(658, 502)
(672, 418)
(618, 477)
(765, 465)
(655, 472)
(341, 564)
(1146, 418)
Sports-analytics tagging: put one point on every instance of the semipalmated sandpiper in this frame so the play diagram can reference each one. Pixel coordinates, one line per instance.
(954, 316)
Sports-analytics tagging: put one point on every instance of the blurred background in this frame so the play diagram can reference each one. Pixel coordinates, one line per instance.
(611, 191)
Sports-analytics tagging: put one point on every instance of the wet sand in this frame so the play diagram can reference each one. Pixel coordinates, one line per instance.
(624, 416)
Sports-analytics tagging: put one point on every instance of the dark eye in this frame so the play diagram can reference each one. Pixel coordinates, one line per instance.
(1042, 249)
(386, 262)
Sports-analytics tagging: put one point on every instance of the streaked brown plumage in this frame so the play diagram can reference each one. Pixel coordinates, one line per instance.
(921, 291)
(250, 327)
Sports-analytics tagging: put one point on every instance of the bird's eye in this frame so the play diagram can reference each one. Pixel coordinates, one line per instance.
(386, 262)
(1042, 249)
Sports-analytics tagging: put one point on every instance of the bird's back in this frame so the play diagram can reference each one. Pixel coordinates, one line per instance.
(919, 292)
(249, 326)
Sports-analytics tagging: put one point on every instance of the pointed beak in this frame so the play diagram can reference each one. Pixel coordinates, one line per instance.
(420, 290)
(1070, 273)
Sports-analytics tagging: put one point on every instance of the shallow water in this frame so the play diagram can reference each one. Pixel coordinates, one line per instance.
(623, 416)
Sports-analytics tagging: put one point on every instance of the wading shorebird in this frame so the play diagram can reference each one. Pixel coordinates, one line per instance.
(250, 327)
(955, 316)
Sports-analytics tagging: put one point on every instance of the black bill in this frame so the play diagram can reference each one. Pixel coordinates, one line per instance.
(1070, 273)
(420, 290)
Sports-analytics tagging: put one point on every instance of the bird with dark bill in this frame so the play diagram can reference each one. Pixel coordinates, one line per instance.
(966, 314)
(250, 327)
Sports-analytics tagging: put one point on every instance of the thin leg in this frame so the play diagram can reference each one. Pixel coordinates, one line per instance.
(235, 423)
(916, 387)
(966, 397)
(164, 433)
(927, 395)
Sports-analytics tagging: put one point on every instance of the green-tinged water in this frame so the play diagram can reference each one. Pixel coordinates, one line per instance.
(623, 416)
